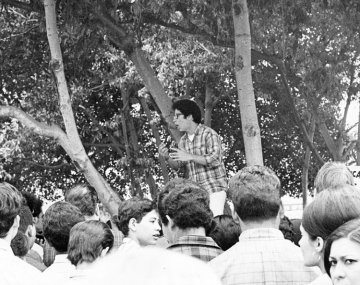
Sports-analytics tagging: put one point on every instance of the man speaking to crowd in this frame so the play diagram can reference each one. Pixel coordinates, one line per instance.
(199, 149)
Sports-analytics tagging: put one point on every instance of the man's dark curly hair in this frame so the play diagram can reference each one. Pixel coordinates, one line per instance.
(186, 203)
(135, 208)
(58, 221)
(84, 197)
(188, 107)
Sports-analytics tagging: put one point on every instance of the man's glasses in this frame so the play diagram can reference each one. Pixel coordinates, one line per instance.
(178, 115)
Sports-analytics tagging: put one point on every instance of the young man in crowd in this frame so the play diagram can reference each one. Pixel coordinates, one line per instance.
(331, 174)
(13, 270)
(85, 198)
(58, 221)
(185, 215)
(24, 240)
(138, 220)
(262, 255)
(200, 150)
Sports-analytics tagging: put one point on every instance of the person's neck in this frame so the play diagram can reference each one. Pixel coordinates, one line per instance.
(192, 129)
(250, 225)
(321, 265)
(190, 232)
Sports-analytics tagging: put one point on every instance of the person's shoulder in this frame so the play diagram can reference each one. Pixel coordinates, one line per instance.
(20, 272)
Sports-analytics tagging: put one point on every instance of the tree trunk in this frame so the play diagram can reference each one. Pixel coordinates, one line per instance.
(156, 134)
(249, 120)
(155, 88)
(209, 99)
(72, 144)
(306, 165)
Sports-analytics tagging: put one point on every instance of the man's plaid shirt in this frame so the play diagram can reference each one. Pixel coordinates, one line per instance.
(200, 247)
(262, 256)
(207, 143)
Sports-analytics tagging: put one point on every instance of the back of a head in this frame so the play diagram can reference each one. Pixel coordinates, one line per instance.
(58, 221)
(135, 208)
(21, 244)
(150, 266)
(224, 231)
(87, 241)
(187, 204)
(84, 197)
(188, 107)
(10, 204)
(255, 192)
(349, 230)
(333, 174)
(33, 202)
(330, 209)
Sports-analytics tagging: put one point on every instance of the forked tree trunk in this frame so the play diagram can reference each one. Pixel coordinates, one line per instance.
(71, 142)
(249, 120)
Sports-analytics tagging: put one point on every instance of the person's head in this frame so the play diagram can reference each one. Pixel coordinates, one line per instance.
(186, 112)
(224, 231)
(58, 221)
(26, 235)
(88, 241)
(329, 210)
(333, 174)
(10, 204)
(150, 266)
(182, 207)
(138, 219)
(85, 198)
(255, 193)
(342, 254)
(35, 204)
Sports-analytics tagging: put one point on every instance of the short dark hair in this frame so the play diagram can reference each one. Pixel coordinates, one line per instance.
(10, 204)
(224, 231)
(332, 174)
(87, 240)
(187, 204)
(134, 208)
(84, 197)
(58, 221)
(255, 192)
(188, 107)
(350, 230)
(34, 203)
(330, 209)
(20, 243)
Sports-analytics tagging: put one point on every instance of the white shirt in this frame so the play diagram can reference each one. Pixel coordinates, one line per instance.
(60, 271)
(15, 271)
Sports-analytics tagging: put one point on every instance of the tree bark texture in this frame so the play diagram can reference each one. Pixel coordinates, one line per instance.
(249, 120)
(306, 165)
(71, 141)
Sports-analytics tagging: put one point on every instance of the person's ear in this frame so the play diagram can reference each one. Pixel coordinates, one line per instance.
(319, 244)
(170, 222)
(30, 231)
(132, 224)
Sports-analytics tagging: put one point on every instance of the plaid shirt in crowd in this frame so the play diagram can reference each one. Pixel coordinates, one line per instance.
(200, 247)
(262, 256)
(207, 143)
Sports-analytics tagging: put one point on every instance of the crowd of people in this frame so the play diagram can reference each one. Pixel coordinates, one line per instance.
(184, 237)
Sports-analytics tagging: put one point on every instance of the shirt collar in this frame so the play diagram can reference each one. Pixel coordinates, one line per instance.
(194, 239)
(61, 258)
(196, 131)
(261, 233)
